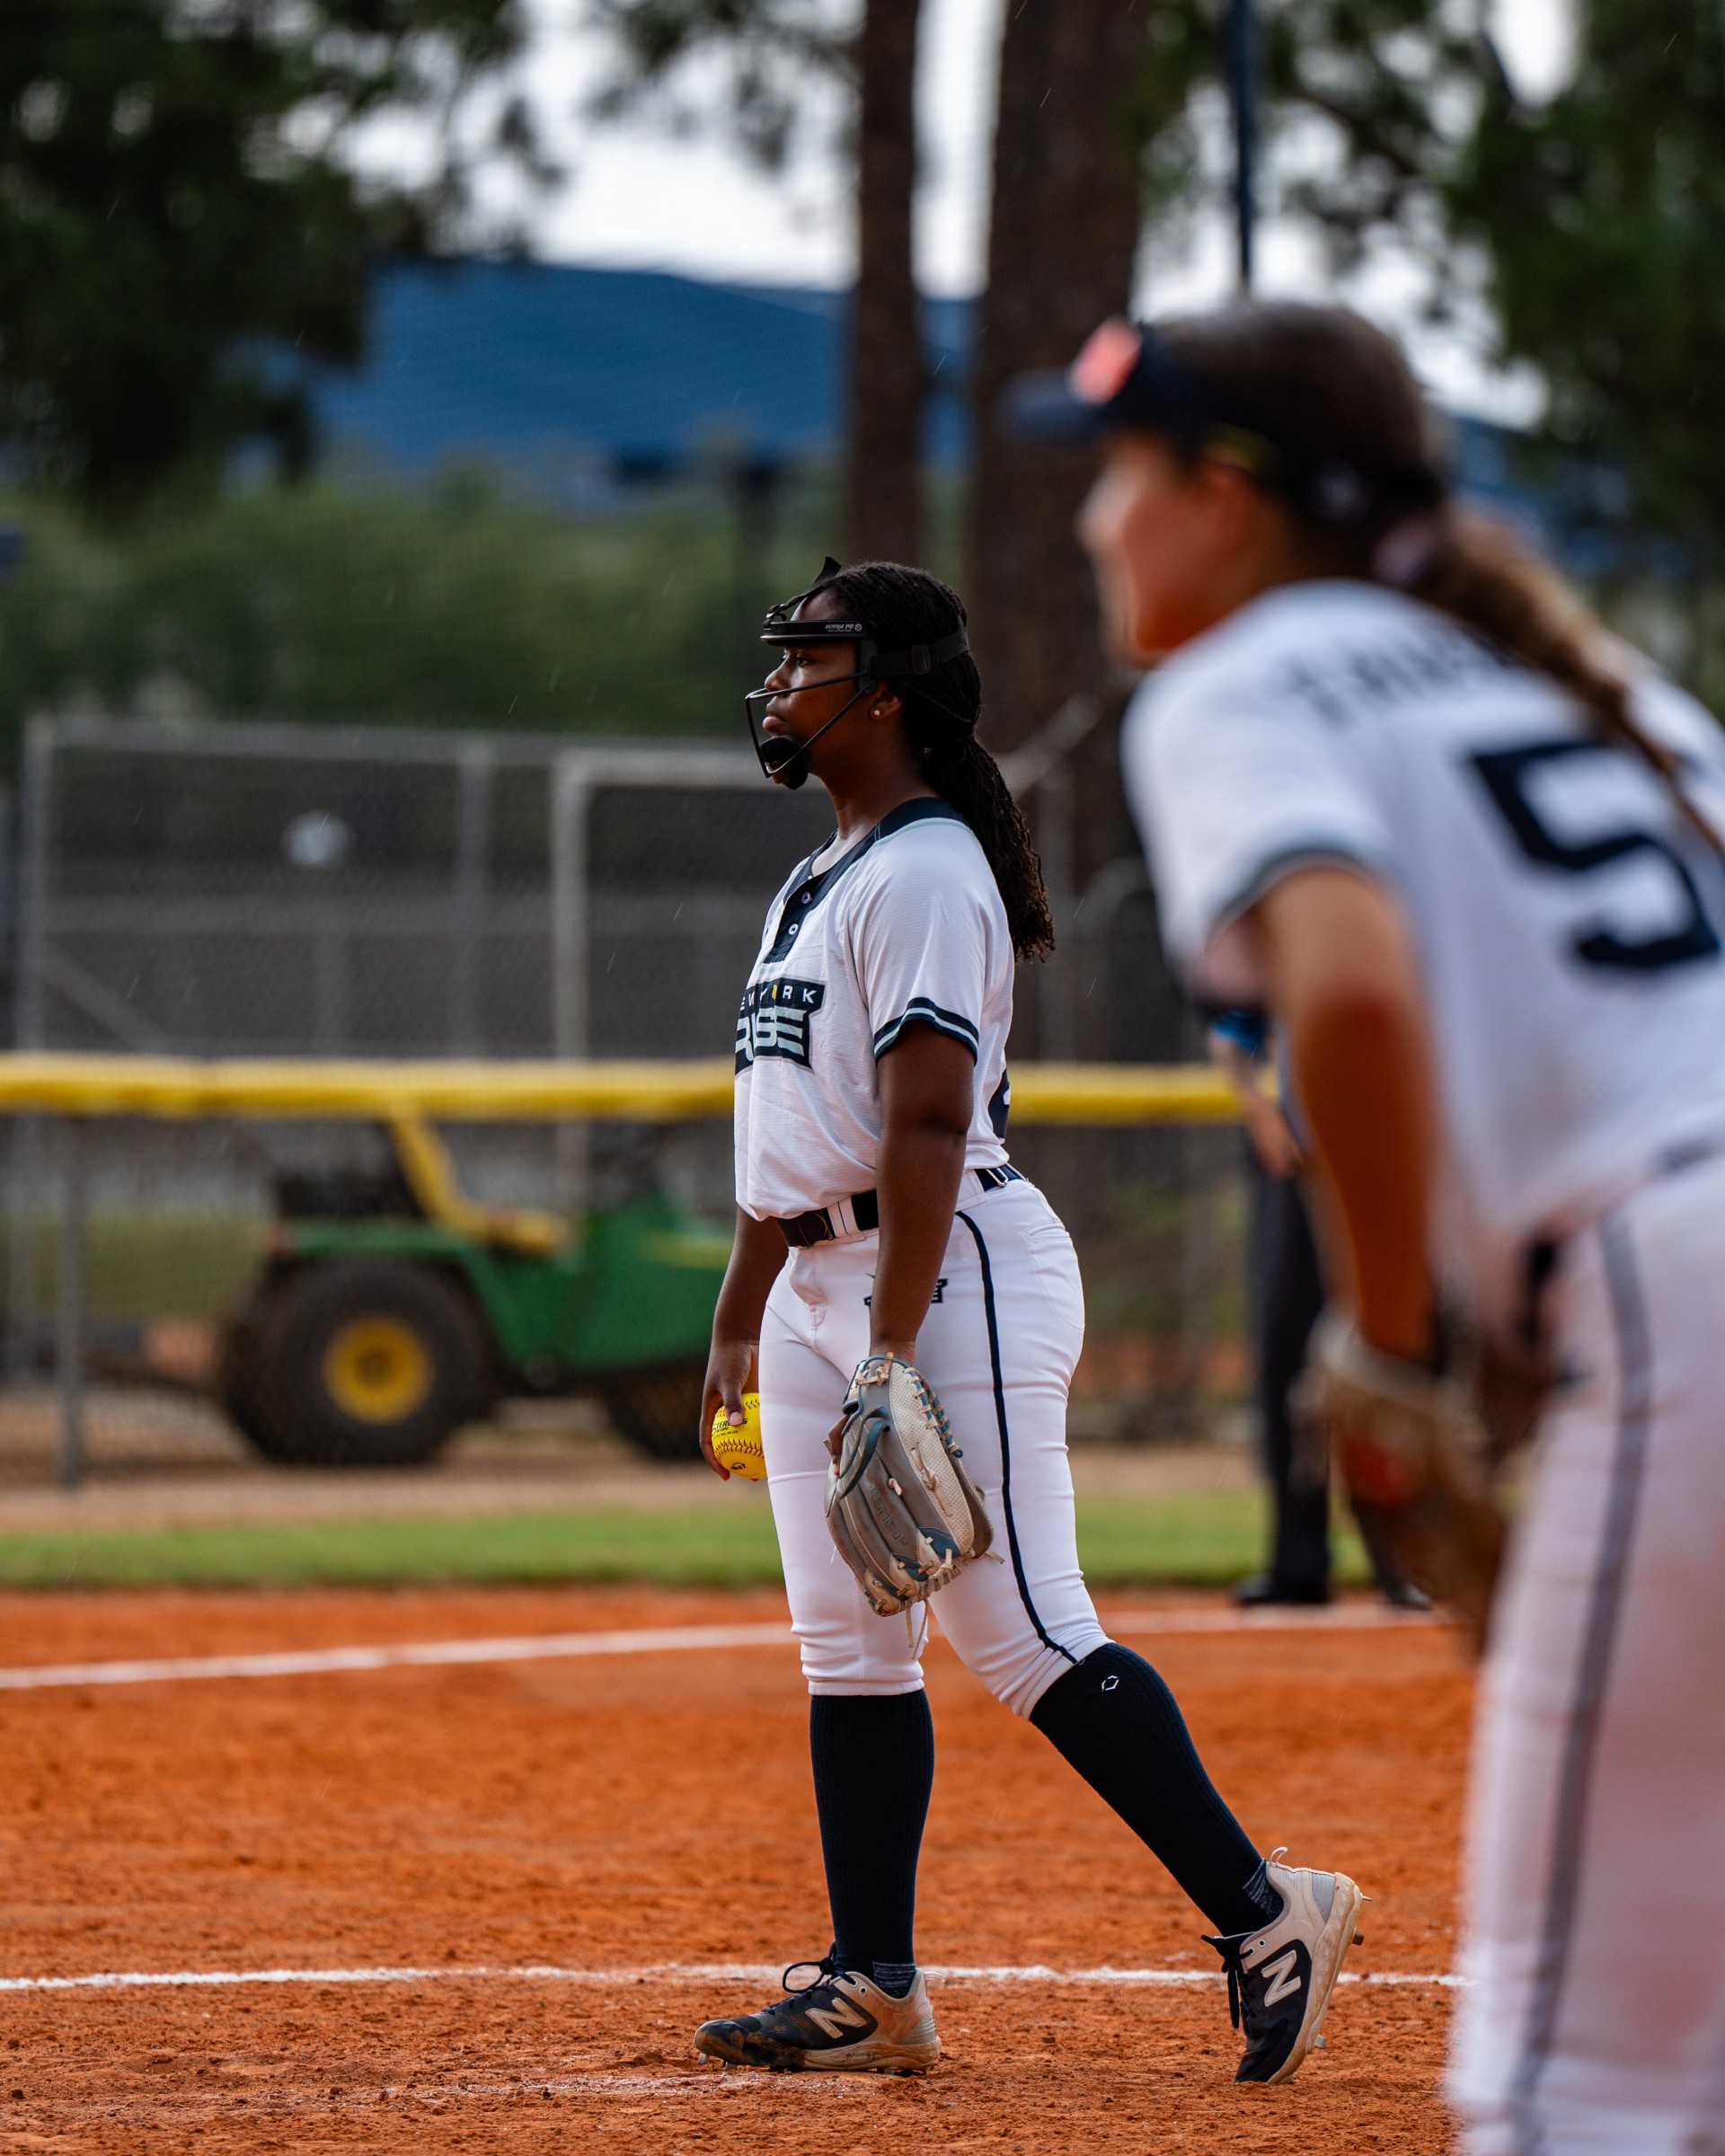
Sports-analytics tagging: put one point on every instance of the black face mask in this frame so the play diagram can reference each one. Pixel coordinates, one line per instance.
(782, 759)
(785, 761)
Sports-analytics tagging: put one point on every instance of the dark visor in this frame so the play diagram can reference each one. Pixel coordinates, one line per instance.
(1126, 378)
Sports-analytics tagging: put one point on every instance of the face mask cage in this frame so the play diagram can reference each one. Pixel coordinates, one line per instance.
(785, 760)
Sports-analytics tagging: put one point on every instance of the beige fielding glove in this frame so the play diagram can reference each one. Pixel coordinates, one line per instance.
(1412, 1456)
(904, 1515)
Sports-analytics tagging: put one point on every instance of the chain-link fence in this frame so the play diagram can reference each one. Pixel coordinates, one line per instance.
(275, 890)
(264, 890)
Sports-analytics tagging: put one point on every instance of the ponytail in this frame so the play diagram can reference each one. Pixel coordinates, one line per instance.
(1476, 572)
(964, 774)
(903, 606)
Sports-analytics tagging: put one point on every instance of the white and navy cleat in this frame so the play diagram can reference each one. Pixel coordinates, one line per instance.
(841, 2023)
(1280, 1978)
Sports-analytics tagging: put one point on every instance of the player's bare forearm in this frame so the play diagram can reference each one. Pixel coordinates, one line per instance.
(1345, 985)
(927, 1084)
(757, 1255)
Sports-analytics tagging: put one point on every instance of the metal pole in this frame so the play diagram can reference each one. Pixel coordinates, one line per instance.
(570, 802)
(1242, 92)
(473, 821)
(35, 821)
(1196, 1275)
(24, 1138)
(69, 1358)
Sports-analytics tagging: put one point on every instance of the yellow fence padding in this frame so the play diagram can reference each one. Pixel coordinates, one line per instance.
(522, 1091)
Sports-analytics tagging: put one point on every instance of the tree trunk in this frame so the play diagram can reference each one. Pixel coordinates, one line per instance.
(884, 474)
(1063, 231)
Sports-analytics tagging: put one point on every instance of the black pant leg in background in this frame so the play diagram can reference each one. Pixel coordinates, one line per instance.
(1288, 1295)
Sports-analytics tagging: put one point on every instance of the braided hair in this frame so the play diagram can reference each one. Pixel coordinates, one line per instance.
(903, 606)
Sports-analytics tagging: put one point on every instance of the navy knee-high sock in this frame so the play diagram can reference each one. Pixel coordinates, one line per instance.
(1115, 1720)
(874, 1768)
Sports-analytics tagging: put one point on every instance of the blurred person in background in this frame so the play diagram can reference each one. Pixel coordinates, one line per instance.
(1285, 1301)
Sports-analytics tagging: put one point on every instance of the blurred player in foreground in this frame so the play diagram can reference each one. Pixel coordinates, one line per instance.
(878, 1220)
(1398, 786)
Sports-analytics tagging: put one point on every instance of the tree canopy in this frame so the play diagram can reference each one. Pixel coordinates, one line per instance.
(177, 217)
(1604, 216)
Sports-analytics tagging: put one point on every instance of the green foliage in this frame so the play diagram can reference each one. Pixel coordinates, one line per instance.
(768, 53)
(456, 608)
(1362, 104)
(1599, 219)
(1190, 1538)
(1371, 99)
(173, 194)
(1604, 216)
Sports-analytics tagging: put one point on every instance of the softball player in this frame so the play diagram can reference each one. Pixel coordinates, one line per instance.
(871, 1099)
(1394, 783)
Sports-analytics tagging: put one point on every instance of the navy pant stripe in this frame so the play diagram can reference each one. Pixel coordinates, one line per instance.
(1005, 1441)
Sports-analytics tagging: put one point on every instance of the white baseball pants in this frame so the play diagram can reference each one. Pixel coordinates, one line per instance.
(1595, 2016)
(998, 1345)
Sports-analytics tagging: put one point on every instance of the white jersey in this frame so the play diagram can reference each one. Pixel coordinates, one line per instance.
(905, 926)
(1568, 919)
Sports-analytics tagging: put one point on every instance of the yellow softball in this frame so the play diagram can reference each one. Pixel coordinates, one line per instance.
(740, 1448)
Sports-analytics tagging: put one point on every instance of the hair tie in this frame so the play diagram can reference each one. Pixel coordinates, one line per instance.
(1406, 550)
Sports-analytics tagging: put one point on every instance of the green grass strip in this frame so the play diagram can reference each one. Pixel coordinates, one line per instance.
(1193, 1538)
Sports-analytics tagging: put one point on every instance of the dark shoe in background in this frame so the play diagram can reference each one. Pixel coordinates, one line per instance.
(1402, 1595)
(1265, 1591)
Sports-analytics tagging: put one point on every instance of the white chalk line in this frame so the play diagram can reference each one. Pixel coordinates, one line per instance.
(660, 1972)
(313, 1662)
(648, 1640)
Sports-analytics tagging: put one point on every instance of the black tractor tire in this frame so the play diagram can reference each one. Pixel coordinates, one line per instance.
(656, 1408)
(237, 1370)
(360, 1363)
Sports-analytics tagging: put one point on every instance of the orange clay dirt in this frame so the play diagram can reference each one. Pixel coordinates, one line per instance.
(622, 1813)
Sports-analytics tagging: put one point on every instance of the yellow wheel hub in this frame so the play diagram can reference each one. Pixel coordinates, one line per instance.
(377, 1370)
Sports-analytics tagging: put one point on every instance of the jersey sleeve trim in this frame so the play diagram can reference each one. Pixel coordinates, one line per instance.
(1317, 853)
(920, 1011)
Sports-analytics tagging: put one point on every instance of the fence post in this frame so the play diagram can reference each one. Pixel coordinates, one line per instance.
(571, 799)
(24, 1141)
(35, 824)
(473, 833)
(69, 1356)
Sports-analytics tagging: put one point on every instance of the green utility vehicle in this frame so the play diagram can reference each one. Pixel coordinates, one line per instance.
(393, 1309)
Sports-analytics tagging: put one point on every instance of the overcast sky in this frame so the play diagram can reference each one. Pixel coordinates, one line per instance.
(642, 196)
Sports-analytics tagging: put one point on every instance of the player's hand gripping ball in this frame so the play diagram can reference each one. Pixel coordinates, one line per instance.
(740, 1448)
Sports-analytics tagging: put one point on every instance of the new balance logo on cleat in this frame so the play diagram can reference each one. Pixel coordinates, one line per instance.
(841, 2023)
(841, 2015)
(1280, 1978)
(1284, 1975)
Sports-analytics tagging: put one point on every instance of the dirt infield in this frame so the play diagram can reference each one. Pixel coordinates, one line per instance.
(445, 1829)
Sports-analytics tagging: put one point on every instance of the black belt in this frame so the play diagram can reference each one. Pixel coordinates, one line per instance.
(805, 1229)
